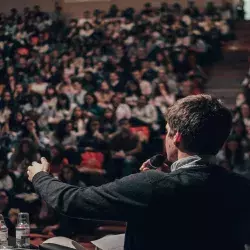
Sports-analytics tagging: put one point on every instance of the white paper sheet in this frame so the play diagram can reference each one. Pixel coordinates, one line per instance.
(110, 242)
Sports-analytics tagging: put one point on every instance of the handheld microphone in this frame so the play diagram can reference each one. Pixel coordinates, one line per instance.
(156, 161)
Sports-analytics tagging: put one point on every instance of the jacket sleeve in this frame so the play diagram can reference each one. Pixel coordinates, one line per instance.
(123, 199)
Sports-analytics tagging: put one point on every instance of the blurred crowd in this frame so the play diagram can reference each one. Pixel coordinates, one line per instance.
(235, 155)
(90, 94)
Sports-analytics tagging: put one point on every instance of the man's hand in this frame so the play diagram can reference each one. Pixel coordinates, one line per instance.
(37, 167)
(144, 166)
(163, 168)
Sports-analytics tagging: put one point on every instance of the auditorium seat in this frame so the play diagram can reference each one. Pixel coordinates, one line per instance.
(142, 132)
(92, 162)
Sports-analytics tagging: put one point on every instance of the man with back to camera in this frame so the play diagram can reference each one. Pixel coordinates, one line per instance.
(198, 206)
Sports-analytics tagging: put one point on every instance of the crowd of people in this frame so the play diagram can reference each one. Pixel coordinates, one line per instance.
(235, 155)
(90, 94)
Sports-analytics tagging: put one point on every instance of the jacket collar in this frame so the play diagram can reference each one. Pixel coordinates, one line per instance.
(193, 161)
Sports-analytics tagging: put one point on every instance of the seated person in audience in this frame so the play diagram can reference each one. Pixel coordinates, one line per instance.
(5, 207)
(233, 152)
(24, 154)
(38, 109)
(132, 93)
(115, 82)
(31, 130)
(181, 64)
(240, 99)
(57, 159)
(7, 180)
(104, 95)
(16, 122)
(108, 123)
(6, 105)
(20, 94)
(91, 107)
(147, 72)
(125, 147)
(64, 135)
(163, 78)
(66, 87)
(38, 86)
(144, 114)
(50, 97)
(70, 175)
(22, 185)
(63, 110)
(79, 122)
(243, 113)
(163, 98)
(121, 109)
(79, 95)
(92, 140)
(186, 88)
(145, 86)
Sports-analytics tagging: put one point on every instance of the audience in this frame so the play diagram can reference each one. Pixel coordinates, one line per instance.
(235, 153)
(90, 94)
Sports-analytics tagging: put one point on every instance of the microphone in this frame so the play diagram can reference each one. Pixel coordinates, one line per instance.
(156, 161)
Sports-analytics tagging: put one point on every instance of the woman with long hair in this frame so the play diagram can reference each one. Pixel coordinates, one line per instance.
(108, 122)
(64, 135)
(92, 140)
(62, 111)
(90, 106)
(25, 153)
(50, 97)
(16, 122)
(20, 95)
(79, 121)
(70, 175)
(31, 130)
(37, 109)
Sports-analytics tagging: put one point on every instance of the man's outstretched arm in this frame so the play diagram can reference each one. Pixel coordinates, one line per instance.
(123, 199)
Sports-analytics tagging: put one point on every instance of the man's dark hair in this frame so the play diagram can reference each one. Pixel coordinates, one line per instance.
(203, 122)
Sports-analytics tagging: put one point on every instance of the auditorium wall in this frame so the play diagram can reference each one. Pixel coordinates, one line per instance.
(6, 5)
(76, 7)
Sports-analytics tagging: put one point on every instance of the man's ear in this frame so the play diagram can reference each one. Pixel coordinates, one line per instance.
(177, 138)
